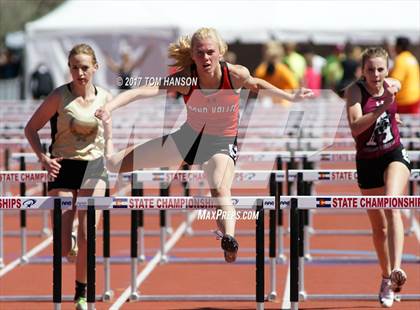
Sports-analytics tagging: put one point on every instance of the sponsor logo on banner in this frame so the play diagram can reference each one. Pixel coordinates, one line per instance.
(323, 202)
(66, 203)
(28, 203)
(158, 176)
(120, 203)
(325, 157)
(268, 203)
(235, 201)
(415, 174)
(324, 175)
(284, 203)
(82, 204)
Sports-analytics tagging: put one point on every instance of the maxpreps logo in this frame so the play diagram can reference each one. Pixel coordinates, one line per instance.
(323, 202)
(28, 203)
(120, 203)
(235, 201)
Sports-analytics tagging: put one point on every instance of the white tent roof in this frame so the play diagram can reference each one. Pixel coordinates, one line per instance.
(249, 21)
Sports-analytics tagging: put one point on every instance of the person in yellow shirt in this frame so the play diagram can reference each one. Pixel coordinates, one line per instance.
(406, 70)
(274, 71)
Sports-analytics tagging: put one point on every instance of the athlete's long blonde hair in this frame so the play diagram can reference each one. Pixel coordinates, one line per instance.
(83, 48)
(181, 50)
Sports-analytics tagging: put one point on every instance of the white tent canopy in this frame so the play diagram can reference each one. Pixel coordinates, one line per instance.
(108, 25)
(248, 21)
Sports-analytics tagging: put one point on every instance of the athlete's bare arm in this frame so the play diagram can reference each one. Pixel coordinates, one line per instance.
(38, 120)
(242, 78)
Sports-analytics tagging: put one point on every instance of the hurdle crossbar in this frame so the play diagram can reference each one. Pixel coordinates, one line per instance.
(299, 203)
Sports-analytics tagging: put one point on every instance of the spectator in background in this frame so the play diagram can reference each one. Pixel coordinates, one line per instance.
(9, 64)
(351, 67)
(406, 70)
(125, 68)
(295, 61)
(312, 79)
(318, 62)
(332, 71)
(274, 71)
(41, 82)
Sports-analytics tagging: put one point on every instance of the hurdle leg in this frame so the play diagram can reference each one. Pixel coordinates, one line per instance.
(1, 240)
(259, 260)
(57, 255)
(134, 295)
(91, 254)
(46, 231)
(108, 293)
(294, 255)
(140, 231)
(164, 257)
(273, 289)
(23, 237)
(302, 293)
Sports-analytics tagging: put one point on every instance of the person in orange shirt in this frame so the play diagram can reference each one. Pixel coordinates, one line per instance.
(406, 70)
(274, 71)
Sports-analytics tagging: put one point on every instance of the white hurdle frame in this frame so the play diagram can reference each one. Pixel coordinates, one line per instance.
(297, 260)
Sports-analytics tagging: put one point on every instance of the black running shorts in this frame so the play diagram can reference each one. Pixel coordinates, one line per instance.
(370, 172)
(73, 173)
(197, 148)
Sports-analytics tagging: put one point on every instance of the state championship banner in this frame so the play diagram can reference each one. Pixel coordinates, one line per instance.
(242, 178)
(24, 177)
(162, 203)
(352, 202)
(336, 175)
(21, 203)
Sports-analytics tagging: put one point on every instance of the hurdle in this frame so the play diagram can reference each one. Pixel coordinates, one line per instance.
(24, 158)
(142, 179)
(309, 158)
(20, 177)
(172, 203)
(339, 175)
(297, 204)
(57, 204)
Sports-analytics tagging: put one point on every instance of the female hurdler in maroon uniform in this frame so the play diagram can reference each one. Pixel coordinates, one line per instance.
(383, 167)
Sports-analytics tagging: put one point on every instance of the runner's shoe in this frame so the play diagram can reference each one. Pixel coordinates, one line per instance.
(230, 246)
(80, 303)
(386, 294)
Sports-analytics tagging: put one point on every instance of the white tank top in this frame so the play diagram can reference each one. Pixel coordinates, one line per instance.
(75, 131)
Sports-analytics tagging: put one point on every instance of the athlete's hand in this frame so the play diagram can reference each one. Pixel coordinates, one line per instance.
(389, 94)
(52, 165)
(103, 114)
(303, 93)
(391, 91)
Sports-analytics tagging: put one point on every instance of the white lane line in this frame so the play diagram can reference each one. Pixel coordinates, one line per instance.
(155, 260)
(31, 253)
(286, 293)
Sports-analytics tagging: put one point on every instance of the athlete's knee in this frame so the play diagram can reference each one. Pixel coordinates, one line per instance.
(392, 216)
(380, 232)
(221, 191)
(112, 164)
